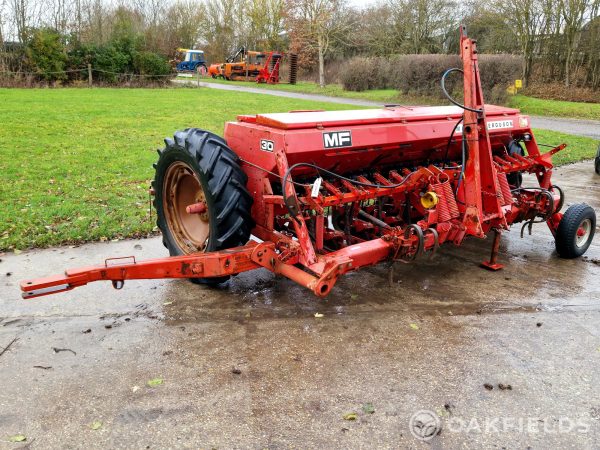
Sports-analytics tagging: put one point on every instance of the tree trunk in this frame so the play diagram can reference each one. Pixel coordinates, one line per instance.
(527, 63)
(321, 62)
(567, 67)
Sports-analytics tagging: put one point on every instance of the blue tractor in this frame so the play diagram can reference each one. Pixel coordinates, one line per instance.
(193, 62)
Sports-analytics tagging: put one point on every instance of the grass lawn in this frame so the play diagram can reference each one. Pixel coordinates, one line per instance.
(556, 108)
(76, 163)
(578, 147)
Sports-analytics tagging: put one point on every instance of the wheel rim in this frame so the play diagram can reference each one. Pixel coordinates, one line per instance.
(583, 233)
(181, 189)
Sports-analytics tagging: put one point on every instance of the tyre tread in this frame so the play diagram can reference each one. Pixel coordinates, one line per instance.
(226, 185)
(567, 228)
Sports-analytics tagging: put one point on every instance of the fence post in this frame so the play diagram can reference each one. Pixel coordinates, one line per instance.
(198, 76)
(90, 75)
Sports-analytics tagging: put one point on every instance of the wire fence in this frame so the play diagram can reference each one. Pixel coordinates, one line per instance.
(88, 74)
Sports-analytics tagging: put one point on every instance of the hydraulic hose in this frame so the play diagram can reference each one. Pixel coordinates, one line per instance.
(449, 97)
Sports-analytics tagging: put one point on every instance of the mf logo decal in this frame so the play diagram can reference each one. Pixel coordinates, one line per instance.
(266, 145)
(337, 139)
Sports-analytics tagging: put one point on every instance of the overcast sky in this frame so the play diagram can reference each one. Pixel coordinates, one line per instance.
(361, 3)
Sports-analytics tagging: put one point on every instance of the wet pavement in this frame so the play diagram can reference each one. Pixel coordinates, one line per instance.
(250, 366)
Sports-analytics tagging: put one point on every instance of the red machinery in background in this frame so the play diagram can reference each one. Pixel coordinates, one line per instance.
(326, 193)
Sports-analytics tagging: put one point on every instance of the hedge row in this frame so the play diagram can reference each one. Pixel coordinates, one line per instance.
(421, 74)
(50, 57)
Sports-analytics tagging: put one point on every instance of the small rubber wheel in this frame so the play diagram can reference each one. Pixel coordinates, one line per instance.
(198, 168)
(575, 231)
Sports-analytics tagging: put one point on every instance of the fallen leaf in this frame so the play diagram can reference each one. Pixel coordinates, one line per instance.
(368, 408)
(167, 303)
(96, 425)
(135, 388)
(155, 382)
(17, 438)
(17, 251)
(319, 315)
(350, 416)
(354, 296)
(414, 326)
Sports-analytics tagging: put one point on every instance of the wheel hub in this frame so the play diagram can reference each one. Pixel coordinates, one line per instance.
(182, 189)
(583, 233)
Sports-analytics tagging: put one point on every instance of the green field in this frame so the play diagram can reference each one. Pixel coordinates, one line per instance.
(555, 108)
(77, 163)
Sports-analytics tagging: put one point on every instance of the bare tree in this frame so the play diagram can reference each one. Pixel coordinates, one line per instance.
(221, 27)
(320, 24)
(181, 25)
(573, 13)
(423, 25)
(265, 25)
(3, 16)
(527, 19)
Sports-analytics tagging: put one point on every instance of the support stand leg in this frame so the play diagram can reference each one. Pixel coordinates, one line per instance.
(492, 264)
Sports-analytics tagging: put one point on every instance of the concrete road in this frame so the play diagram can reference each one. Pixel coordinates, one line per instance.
(250, 366)
(589, 128)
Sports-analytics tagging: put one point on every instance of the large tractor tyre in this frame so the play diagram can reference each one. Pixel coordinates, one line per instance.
(597, 161)
(575, 231)
(195, 167)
